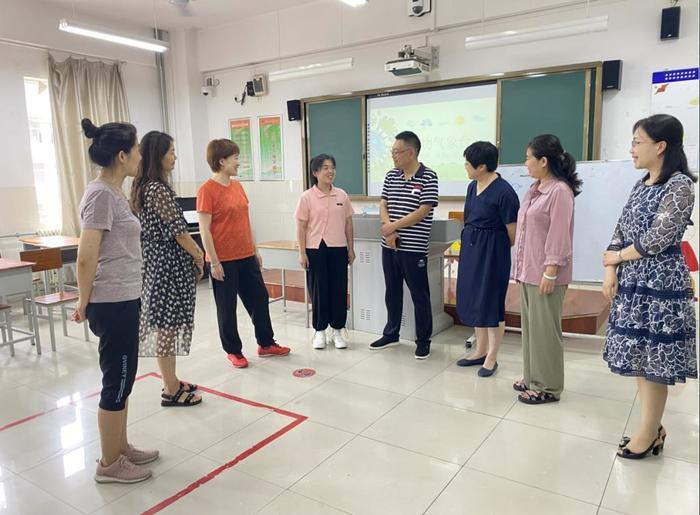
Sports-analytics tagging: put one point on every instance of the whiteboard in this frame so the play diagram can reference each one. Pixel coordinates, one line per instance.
(606, 187)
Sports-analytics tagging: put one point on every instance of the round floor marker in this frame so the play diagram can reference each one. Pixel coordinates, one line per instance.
(304, 372)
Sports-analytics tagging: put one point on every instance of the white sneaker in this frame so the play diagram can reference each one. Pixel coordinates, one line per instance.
(319, 341)
(338, 340)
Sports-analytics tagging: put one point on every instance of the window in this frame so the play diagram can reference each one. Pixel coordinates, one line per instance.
(36, 92)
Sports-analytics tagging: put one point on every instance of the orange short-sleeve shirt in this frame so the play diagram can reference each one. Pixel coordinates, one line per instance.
(230, 223)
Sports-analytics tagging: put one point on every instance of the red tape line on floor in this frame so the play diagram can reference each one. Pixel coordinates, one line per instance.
(298, 419)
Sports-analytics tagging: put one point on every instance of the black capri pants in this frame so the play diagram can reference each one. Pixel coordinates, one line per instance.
(116, 324)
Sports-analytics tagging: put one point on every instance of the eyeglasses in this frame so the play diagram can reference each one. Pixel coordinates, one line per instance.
(395, 153)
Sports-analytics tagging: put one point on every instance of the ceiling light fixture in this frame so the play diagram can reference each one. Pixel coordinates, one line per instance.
(311, 69)
(557, 30)
(154, 45)
(354, 3)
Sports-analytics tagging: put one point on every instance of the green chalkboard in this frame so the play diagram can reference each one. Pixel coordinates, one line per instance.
(336, 127)
(556, 103)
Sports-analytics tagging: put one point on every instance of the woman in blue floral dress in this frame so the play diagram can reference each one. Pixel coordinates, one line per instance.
(651, 328)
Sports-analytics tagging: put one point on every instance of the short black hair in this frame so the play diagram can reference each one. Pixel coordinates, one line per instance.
(482, 153)
(410, 139)
(316, 164)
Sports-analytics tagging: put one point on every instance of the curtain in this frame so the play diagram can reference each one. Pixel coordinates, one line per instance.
(81, 89)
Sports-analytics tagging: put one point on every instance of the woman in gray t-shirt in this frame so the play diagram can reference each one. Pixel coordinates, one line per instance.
(109, 281)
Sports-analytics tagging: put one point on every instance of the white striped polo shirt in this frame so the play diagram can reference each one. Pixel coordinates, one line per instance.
(405, 196)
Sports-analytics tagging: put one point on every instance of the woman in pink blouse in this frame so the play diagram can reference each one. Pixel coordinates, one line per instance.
(542, 266)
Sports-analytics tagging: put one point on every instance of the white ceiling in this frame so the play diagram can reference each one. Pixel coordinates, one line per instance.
(205, 13)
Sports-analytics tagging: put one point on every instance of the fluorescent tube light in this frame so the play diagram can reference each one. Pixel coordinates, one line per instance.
(311, 69)
(154, 45)
(354, 3)
(557, 30)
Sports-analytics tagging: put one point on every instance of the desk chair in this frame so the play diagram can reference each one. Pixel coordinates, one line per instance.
(45, 260)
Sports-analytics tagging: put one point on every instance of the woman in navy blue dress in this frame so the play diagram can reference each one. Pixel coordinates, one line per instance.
(490, 214)
(651, 327)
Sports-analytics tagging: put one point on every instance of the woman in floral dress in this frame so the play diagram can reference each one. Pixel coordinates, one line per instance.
(651, 328)
(172, 265)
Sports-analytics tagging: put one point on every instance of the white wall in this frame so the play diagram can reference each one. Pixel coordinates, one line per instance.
(34, 23)
(325, 26)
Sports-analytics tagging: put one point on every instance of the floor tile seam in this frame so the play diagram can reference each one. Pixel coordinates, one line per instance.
(219, 441)
(536, 487)
(612, 465)
(463, 465)
(444, 403)
(282, 491)
(560, 432)
(458, 408)
(290, 487)
(58, 454)
(331, 426)
(37, 485)
(369, 386)
(412, 451)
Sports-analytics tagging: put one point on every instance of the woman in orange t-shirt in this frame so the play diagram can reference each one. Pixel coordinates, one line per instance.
(224, 225)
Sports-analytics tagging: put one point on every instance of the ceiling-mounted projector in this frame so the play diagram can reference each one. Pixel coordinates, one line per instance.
(412, 61)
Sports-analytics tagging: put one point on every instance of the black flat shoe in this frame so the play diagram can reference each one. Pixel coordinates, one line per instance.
(471, 362)
(655, 448)
(487, 372)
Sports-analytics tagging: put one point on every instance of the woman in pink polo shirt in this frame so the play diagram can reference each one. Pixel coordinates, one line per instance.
(542, 266)
(324, 232)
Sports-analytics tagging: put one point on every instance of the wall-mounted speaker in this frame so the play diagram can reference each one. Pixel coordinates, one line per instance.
(612, 74)
(294, 110)
(670, 22)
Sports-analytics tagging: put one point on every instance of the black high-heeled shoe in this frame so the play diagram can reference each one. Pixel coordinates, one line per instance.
(626, 439)
(655, 448)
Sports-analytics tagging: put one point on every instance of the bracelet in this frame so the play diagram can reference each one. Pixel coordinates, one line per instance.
(549, 277)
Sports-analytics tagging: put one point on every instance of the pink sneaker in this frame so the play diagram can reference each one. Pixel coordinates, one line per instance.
(121, 471)
(141, 456)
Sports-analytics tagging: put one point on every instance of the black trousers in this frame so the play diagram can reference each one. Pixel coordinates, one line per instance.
(242, 278)
(411, 267)
(116, 324)
(327, 281)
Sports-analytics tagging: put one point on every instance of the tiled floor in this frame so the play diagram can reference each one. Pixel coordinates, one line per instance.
(384, 433)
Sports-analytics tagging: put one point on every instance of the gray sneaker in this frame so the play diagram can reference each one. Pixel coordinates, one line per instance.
(141, 456)
(121, 471)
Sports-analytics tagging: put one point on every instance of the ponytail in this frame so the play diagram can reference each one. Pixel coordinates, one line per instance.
(562, 165)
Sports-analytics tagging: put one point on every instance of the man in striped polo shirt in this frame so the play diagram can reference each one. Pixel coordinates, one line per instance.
(409, 195)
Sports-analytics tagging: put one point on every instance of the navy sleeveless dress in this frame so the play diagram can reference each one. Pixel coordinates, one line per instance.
(484, 259)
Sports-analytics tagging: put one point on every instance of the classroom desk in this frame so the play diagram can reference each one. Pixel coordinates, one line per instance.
(283, 255)
(50, 242)
(16, 277)
(67, 244)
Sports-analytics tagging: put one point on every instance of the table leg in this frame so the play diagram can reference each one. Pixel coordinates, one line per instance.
(35, 319)
(284, 291)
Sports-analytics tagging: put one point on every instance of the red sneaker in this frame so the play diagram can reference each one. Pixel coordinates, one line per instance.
(237, 360)
(273, 350)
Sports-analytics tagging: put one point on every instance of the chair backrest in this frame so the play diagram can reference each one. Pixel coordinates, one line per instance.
(43, 259)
